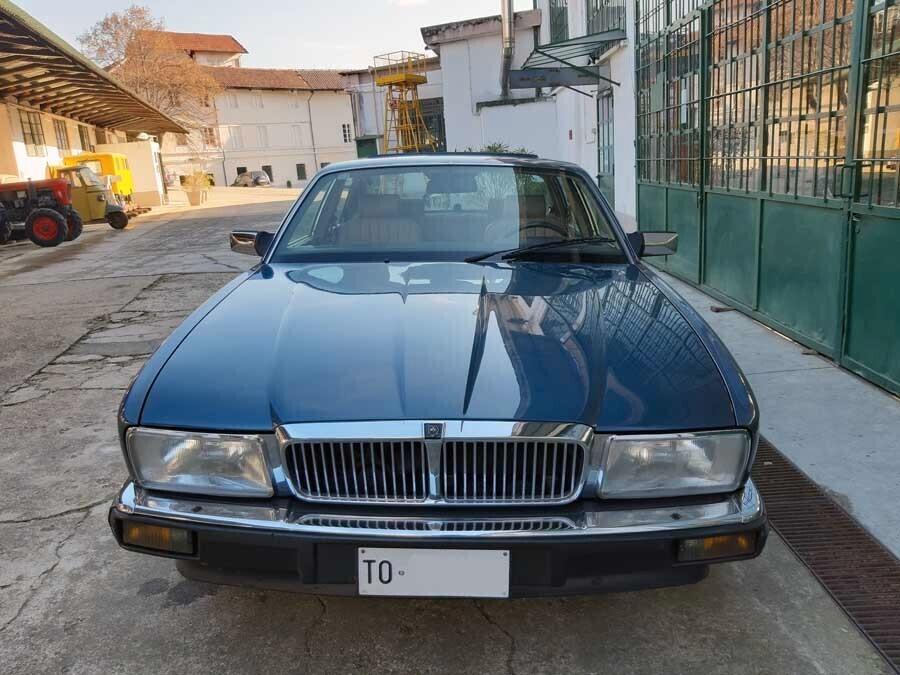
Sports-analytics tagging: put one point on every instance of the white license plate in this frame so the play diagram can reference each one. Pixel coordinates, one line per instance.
(424, 572)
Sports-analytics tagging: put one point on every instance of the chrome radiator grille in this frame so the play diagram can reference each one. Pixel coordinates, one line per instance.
(518, 471)
(456, 471)
(368, 471)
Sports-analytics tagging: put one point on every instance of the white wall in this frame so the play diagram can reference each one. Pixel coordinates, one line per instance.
(35, 167)
(530, 126)
(217, 59)
(143, 161)
(290, 138)
(625, 149)
(8, 164)
(471, 75)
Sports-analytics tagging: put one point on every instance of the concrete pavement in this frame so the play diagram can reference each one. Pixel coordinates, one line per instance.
(79, 320)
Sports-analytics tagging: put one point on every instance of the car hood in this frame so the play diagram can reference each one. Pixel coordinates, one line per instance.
(598, 345)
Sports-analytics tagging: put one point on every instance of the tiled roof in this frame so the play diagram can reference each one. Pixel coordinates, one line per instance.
(277, 78)
(330, 80)
(203, 42)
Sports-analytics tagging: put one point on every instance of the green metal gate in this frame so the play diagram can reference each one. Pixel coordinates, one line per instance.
(768, 137)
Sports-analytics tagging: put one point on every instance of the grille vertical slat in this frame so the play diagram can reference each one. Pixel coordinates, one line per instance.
(511, 471)
(320, 471)
(424, 465)
(553, 475)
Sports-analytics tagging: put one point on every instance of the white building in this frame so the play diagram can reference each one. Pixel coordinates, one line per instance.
(368, 107)
(286, 122)
(591, 125)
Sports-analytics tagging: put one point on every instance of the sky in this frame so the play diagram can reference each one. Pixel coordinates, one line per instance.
(284, 33)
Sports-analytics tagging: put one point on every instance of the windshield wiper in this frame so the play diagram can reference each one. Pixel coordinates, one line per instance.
(512, 253)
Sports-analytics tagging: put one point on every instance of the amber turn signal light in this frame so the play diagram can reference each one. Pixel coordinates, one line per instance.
(158, 538)
(711, 548)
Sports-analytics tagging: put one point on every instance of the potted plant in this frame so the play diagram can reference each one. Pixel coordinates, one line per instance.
(196, 186)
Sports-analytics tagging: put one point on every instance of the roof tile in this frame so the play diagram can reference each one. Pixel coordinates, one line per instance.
(203, 42)
(277, 78)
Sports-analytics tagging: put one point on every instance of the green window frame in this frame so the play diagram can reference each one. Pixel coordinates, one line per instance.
(32, 133)
(559, 20)
(604, 15)
(301, 172)
(605, 133)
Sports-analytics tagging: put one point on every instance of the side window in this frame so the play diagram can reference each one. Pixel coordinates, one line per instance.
(305, 225)
(341, 212)
(587, 210)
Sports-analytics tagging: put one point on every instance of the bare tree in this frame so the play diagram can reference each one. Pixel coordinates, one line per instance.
(130, 45)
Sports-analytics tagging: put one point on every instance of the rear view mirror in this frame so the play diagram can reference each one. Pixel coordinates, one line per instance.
(647, 244)
(251, 242)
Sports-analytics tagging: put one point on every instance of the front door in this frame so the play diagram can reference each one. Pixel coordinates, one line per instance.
(872, 322)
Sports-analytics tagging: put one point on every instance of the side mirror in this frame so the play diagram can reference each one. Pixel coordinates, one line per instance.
(647, 244)
(251, 242)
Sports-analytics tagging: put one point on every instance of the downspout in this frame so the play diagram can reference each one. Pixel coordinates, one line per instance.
(221, 144)
(508, 43)
(312, 131)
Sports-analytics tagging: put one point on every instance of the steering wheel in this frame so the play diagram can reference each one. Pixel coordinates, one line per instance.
(546, 225)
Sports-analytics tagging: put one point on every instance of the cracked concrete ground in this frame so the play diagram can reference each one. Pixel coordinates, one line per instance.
(78, 325)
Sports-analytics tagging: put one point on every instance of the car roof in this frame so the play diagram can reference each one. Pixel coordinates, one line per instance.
(452, 159)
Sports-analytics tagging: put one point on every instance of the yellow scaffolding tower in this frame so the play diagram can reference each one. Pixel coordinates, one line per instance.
(401, 73)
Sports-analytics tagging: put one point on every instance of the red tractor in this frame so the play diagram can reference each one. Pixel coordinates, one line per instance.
(40, 210)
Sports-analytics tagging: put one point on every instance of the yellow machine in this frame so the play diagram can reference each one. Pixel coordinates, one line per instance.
(401, 73)
(108, 165)
(91, 199)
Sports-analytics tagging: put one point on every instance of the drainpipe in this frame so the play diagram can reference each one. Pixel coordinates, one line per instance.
(508, 42)
(312, 131)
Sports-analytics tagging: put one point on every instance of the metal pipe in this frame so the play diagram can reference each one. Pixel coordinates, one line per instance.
(508, 43)
(312, 131)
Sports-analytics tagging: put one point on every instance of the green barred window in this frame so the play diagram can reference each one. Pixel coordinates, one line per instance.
(879, 145)
(559, 20)
(668, 105)
(604, 15)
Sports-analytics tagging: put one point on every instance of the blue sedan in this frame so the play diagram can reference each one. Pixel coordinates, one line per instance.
(447, 375)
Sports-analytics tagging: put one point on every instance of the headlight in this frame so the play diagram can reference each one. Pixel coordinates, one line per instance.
(674, 464)
(208, 464)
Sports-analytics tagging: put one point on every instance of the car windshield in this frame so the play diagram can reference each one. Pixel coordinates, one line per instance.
(447, 213)
(89, 177)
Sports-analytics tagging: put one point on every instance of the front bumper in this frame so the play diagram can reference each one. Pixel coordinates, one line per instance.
(580, 548)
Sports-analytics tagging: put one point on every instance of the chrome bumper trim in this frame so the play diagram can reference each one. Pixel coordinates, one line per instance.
(738, 509)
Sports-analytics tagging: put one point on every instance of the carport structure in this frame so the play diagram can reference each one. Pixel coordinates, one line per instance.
(768, 137)
(40, 70)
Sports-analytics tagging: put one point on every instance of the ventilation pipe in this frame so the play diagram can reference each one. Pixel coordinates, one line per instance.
(508, 40)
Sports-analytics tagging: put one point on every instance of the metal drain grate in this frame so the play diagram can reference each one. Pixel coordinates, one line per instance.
(860, 574)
